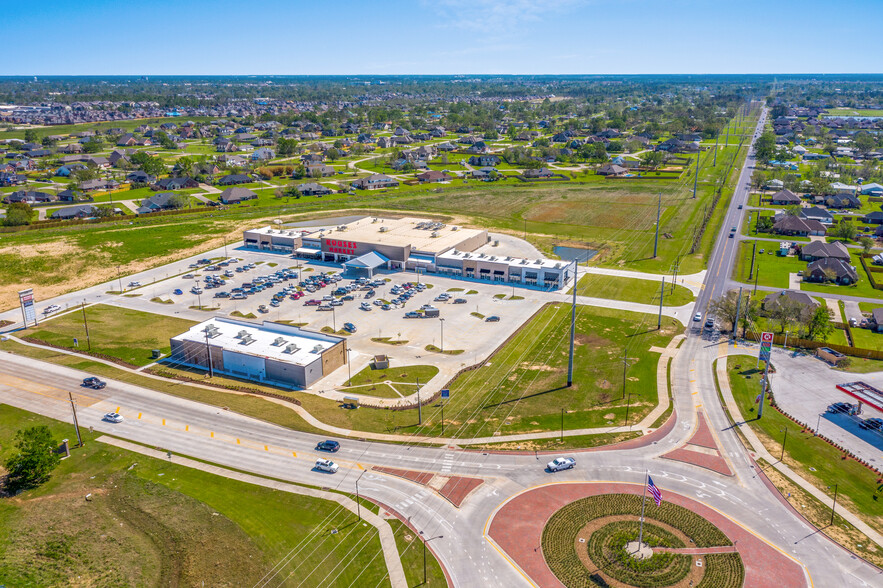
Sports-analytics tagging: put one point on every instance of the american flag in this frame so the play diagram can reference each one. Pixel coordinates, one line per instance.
(657, 495)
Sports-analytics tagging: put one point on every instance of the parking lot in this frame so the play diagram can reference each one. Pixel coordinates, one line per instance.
(461, 326)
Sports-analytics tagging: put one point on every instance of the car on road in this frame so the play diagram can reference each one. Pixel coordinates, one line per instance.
(492, 319)
(740, 207)
(873, 424)
(94, 383)
(90, 380)
(326, 465)
(328, 445)
(697, 317)
(51, 308)
(349, 327)
(134, 285)
(709, 323)
(113, 417)
(561, 463)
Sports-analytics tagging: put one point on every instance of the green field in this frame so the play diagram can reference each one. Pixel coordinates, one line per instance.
(151, 522)
(404, 374)
(127, 334)
(856, 484)
(631, 290)
(855, 112)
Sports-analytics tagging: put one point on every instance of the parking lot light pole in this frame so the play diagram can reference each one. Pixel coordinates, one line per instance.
(442, 323)
(349, 369)
(833, 504)
(819, 423)
(425, 541)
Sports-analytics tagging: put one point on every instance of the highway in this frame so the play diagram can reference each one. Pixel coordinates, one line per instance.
(229, 439)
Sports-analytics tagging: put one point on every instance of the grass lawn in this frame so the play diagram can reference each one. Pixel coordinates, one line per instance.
(574, 442)
(522, 387)
(863, 288)
(856, 483)
(127, 334)
(772, 269)
(156, 523)
(411, 554)
(631, 290)
(408, 374)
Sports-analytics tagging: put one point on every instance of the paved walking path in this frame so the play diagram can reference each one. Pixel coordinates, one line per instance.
(760, 451)
(387, 537)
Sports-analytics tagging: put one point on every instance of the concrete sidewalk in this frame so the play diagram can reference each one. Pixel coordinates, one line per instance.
(387, 537)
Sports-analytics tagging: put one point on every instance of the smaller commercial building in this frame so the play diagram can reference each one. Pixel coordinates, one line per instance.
(270, 353)
(549, 274)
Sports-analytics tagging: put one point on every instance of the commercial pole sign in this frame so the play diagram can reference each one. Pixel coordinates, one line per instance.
(28, 311)
(766, 346)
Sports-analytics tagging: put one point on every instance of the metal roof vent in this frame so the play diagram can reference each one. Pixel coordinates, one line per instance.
(242, 334)
(291, 348)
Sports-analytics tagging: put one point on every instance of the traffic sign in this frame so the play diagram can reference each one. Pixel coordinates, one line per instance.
(445, 393)
(766, 346)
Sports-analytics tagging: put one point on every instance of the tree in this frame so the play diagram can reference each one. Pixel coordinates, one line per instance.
(286, 147)
(819, 326)
(652, 158)
(31, 136)
(785, 312)
(792, 210)
(179, 201)
(724, 309)
(18, 214)
(104, 211)
(867, 243)
(864, 142)
(33, 461)
(765, 146)
(93, 145)
(332, 154)
(845, 230)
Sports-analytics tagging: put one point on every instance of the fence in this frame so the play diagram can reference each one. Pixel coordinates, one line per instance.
(871, 271)
(809, 344)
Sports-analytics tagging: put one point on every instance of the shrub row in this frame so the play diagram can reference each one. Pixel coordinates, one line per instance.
(723, 570)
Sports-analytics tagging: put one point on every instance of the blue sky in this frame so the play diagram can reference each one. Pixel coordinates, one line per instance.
(103, 37)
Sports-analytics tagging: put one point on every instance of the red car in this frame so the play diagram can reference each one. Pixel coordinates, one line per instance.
(312, 302)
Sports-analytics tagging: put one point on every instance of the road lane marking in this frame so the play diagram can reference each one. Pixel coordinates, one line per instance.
(266, 448)
(164, 422)
(139, 416)
(212, 433)
(117, 410)
(186, 427)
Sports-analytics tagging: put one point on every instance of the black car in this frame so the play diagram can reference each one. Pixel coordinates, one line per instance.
(843, 407)
(331, 446)
(98, 384)
(874, 424)
(90, 381)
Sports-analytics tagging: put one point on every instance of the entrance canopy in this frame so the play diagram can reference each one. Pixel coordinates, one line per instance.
(366, 264)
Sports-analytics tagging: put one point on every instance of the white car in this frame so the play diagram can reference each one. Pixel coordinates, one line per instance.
(365, 306)
(697, 317)
(561, 463)
(113, 417)
(326, 465)
(51, 308)
(134, 284)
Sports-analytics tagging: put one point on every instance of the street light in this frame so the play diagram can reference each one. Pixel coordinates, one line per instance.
(358, 503)
(120, 279)
(442, 323)
(785, 440)
(425, 541)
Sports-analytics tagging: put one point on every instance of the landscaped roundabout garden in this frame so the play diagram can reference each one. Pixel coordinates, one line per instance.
(584, 544)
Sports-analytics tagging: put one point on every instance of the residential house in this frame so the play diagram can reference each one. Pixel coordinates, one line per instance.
(611, 169)
(71, 149)
(78, 211)
(232, 161)
(874, 218)
(29, 196)
(140, 177)
(793, 225)
(877, 318)
(99, 162)
(69, 195)
(174, 184)
(830, 269)
(236, 195)
(774, 185)
(313, 189)
(263, 154)
(384, 142)
(843, 200)
(375, 182)
(433, 176)
(12, 179)
(772, 301)
(233, 179)
(89, 185)
(127, 140)
(542, 172)
(785, 198)
(822, 250)
(872, 189)
(816, 213)
(478, 147)
(319, 170)
(485, 160)
(157, 202)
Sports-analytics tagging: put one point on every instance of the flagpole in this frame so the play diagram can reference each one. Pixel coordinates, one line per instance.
(643, 501)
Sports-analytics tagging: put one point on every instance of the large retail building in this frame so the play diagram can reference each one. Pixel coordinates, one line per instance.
(370, 244)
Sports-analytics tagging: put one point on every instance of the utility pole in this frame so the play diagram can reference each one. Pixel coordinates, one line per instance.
(120, 279)
(696, 177)
(834, 504)
(358, 502)
(785, 440)
(76, 423)
(756, 273)
(443, 417)
(661, 298)
(442, 323)
(572, 325)
(738, 308)
(624, 367)
(562, 425)
(86, 326)
(208, 354)
(716, 139)
(225, 247)
(658, 213)
(349, 368)
(419, 406)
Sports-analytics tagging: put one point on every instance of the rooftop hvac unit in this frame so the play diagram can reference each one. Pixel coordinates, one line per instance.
(291, 348)
(242, 334)
(508, 258)
(279, 342)
(247, 340)
(557, 266)
(317, 349)
(211, 331)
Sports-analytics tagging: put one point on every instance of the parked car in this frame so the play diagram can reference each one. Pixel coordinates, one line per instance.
(709, 323)
(873, 424)
(195, 290)
(492, 319)
(843, 407)
(178, 291)
(113, 417)
(561, 463)
(313, 302)
(412, 315)
(365, 306)
(329, 445)
(326, 465)
(460, 301)
(349, 327)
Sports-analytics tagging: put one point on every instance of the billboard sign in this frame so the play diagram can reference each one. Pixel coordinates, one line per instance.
(766, 346)
(28, 309)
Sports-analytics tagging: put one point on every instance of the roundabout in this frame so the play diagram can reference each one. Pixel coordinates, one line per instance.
(585, 535)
